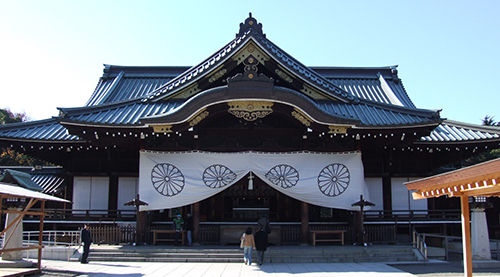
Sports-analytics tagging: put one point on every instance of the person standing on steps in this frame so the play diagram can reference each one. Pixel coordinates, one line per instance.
(261, 244)
(178, 224)
(248, 243)
(189, 229)
(86, 239)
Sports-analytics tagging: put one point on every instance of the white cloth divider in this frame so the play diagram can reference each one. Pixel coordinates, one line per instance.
(173, 179)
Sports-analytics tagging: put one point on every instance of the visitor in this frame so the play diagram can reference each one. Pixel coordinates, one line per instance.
(260, 244)
(263, 224)
(189, 229)
(86, 239)
(178, 224)
(248, 243)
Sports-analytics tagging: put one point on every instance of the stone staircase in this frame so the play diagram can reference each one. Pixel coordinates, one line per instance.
(275, 254)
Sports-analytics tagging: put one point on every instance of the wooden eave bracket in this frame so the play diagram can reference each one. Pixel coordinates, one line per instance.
(487, 187)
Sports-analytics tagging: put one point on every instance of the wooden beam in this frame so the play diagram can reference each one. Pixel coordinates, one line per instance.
(466, 240)
(20, 216)
(20, 248)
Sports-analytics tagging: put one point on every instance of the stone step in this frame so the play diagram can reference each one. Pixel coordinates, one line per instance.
(273, 255)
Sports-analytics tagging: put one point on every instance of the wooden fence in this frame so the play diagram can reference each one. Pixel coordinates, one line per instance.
(113, 234)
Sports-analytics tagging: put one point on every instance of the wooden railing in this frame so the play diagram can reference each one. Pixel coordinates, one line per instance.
(113, 234)
(411, 215)
(396, 216)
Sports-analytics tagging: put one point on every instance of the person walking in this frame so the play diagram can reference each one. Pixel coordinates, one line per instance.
(189, 229)
(261, 244)
(178, 224)
(248, 244)
(86, 239)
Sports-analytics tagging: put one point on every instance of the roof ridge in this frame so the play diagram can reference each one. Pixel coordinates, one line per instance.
(28, 123)
(101, 106)
(338, 92)
(392, 107)
(192, 72)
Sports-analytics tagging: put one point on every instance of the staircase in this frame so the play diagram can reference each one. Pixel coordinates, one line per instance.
(275, 254)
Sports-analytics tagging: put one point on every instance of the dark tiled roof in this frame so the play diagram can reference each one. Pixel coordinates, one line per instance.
(379, 115)
(126, 113)
(41, 130)
(49, 183)
(122, 83)
(19, 178)
(49, 179)
(453, 131)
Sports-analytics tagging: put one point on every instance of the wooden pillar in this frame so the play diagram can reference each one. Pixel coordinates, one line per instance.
(196, 221)
(140, 227)
(466, 241)
(304, 223)
(40, 234)
(113, 195)
(387, 195)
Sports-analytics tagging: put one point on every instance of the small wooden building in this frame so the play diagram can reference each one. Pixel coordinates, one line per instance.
(251, 132)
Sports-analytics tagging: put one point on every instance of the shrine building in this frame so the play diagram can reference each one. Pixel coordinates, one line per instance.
(251, 132)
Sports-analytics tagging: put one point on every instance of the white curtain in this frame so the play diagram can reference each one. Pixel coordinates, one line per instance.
(174, 179)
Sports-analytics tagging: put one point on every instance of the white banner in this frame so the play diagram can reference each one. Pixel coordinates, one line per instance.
(173, 179)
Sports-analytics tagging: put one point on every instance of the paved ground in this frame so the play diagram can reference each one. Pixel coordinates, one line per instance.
(57, 268)
(110, 269)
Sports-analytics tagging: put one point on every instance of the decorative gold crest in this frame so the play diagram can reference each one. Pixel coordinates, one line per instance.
(162, 128)
(250, 110)
(334, 129)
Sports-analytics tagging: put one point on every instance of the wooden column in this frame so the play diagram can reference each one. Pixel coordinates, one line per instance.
(467, 254)
(196, 221)
(304, 223)
(40, 234)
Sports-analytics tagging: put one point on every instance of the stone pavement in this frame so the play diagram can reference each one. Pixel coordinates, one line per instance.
(140, 269)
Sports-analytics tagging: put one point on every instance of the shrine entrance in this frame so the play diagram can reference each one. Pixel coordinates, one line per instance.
(247, 201)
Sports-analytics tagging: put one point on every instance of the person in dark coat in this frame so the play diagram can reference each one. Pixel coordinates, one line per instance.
(261, 244)
(86, 238)
(189, 229)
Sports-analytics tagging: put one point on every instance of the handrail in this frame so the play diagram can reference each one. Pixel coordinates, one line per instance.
(419, 243)
(411, 215)
(52, 238)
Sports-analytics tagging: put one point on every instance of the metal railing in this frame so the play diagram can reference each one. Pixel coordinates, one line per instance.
(52, 238)
(94, 215)
(419, 243)
(446, 242)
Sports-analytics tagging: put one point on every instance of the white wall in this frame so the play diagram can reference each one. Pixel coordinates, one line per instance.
(127, 190)
(401, 197)
(375, 193)
(90, 193)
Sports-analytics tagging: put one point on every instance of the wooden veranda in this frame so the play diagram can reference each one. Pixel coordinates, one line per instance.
(477, 180)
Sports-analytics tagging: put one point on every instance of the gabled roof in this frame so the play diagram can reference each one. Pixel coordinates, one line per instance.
(19, 178)
(251, 36)
(373, 97)
(49, 178)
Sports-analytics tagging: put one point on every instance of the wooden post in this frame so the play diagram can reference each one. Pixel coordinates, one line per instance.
(40, 234)
(304, 223)
(196, 221)
(467, 254)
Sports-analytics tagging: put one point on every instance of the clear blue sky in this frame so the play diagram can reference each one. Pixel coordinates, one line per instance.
(448, 52)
